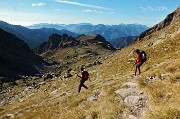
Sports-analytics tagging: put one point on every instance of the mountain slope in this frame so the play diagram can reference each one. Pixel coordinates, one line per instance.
(32, 37)
(56, 42)
(16, 57)
(123, 41)
(170, 19)
(158, 85)
(69, 52)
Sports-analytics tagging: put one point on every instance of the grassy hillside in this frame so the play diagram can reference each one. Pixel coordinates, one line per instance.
(159, 83)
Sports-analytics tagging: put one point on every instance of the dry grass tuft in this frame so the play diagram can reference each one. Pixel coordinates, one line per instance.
(164, 113)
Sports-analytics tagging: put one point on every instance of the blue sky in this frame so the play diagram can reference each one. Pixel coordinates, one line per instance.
(27, 12)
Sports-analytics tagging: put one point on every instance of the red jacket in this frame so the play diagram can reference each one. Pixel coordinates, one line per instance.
(138, 58)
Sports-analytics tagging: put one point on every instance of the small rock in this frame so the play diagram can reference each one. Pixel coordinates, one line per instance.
(164, 75)
(132, 59)
(21, 100)
(88, 65)
(42, 83)
(130, 84)
(97, 62)
(47, 76)
(67, 75)
(136, 104)
(108, 82)
(150, 79)
(92, 98)
(128, 91)
(10, 115)
(135, 100)
(54, 92)
(132, 117)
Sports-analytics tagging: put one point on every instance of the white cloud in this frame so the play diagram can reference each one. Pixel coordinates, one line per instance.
(82, 4)
(150, 8)
(92, 11)
(38, 4)
(95, 11)
(87, 10)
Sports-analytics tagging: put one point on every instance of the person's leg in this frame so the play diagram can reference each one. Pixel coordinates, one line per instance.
(138, 66)
(85, 86)
(139, 70)
(79, 89)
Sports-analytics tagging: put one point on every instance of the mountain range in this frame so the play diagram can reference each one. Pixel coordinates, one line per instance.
(109, 32)
(38, 33)
(32, 37)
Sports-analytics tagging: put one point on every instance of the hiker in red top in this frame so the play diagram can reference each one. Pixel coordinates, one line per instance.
(84, 77)
(138, 62)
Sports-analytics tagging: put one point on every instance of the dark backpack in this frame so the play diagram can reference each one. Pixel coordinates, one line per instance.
(85, 75)
(143, 56)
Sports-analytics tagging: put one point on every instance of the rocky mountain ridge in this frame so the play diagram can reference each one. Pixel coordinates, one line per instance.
(108, 31)
(63, 41)
(171, 18)
(16, 57)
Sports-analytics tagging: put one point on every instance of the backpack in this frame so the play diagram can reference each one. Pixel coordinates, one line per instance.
(143, 56)
(85, 75)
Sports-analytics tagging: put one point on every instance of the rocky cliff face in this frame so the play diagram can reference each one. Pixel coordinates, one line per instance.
(16, 57)
(171, 18)
(55, 42)
(96, 39)
(59, 42)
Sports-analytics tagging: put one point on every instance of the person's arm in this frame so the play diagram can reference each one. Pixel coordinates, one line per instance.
(79, 76)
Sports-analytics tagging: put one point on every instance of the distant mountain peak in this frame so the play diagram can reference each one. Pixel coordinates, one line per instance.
(109, 32)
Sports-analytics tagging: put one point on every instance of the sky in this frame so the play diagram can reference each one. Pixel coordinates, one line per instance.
(110, 12)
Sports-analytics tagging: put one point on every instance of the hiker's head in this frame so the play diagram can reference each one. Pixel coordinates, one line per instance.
(82, 68)
(137, 51)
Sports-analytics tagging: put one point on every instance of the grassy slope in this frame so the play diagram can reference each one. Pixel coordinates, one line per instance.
(163, 93)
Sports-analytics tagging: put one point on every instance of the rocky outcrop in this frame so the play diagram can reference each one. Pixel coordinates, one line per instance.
(60, 42)
(53, 42)
(16, 57)
(134, 99)
(56, 41)
(96, 39)
(172, 17)
(68, 42)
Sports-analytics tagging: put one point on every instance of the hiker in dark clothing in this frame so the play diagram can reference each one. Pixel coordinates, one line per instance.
(84, 77)
(138, 62)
